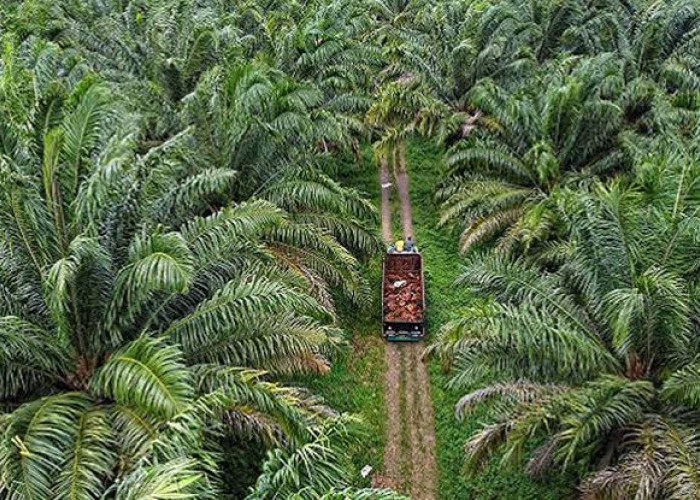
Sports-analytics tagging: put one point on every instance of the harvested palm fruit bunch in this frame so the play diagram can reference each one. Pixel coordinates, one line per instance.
(403, 297)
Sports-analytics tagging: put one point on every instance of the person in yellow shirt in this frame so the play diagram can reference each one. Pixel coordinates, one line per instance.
(398, 246)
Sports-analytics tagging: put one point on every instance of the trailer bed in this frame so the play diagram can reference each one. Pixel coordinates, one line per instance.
(403, 297)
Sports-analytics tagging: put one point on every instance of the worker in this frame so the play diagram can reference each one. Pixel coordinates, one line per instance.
(391, 249)
(399, 246)
(410, 246)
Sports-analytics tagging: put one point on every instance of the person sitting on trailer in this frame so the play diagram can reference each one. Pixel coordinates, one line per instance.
(391, 249)
(410, 246)
(398, 246)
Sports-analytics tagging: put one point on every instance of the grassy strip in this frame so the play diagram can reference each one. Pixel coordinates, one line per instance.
(444, 300)
(356, 381)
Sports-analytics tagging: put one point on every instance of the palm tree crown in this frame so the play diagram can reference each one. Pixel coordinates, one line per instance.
(142, 316)
(597, 353)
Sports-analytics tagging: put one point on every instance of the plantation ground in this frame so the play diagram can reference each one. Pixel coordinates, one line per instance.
(355, 384)
(444, 301)
(356, 381)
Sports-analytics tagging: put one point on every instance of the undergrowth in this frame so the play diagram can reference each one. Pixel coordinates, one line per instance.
(355, 383)
(442, 266)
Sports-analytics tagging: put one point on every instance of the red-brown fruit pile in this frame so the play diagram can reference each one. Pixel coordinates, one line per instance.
(403, 302)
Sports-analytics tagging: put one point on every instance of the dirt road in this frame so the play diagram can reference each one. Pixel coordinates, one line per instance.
(409, 455)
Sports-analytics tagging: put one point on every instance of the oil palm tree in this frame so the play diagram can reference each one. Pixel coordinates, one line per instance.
(156, 51)
(461, 43)
(452, 46)
(256, 120)
(252, 118)
(267, 127)
(565, 129)
(141, 318)
(594, 360)
(312, 471)
(331, 47)
(153, 51)
(662, 44)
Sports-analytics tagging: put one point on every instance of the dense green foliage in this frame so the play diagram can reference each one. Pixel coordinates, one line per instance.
(445, 303)
(580, 164)
(175, 240)
(173, 243)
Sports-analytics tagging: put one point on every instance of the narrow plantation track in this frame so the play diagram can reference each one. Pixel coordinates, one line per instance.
(409, 455)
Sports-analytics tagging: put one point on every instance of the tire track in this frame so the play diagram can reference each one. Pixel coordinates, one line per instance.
(412, 452)
(424, 483)
(392, 451)
(403, 189)
(409, 453)
(385, 183)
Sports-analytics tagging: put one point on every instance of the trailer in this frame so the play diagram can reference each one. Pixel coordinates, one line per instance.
(403, 297)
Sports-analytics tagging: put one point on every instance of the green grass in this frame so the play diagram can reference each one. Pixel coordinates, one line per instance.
(355, 383)
(442, 266)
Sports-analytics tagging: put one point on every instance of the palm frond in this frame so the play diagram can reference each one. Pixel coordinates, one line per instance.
(179, 478)
(40, 434)
(147, 375)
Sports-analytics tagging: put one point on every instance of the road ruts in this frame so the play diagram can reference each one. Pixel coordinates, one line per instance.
(425, 470)
(410, 429)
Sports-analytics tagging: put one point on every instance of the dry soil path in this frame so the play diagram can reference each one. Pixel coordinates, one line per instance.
(409, 455)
